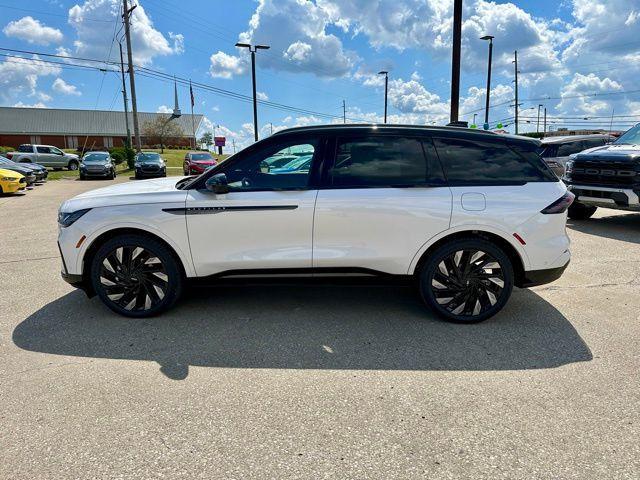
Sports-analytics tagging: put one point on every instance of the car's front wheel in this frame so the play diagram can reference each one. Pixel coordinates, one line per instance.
(136, 276)
(73, 165)
(466, 280)
(580, 211)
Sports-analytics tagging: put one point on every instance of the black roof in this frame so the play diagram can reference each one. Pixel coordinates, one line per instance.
(399, 129)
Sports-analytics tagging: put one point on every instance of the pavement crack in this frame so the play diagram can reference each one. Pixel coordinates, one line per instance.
(29, 259)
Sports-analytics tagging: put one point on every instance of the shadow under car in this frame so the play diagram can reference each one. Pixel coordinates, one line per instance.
(313, 327)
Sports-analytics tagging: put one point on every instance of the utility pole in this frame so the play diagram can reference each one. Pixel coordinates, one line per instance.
(271, 127)
(124, 98)
(252, 49)
(344, 112)
(545, 121)
(486, 110)
(233, 141)
(132, 80)
(386, 88)
(455, 60)
(515, 62)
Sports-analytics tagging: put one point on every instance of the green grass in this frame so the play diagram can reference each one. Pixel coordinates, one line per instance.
(174, 159)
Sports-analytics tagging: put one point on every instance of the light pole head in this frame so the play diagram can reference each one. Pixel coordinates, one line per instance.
(262, 47)
(243, 45)
(383, 72)
(488, 37)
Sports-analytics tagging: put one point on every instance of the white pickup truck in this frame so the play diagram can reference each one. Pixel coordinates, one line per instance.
(45, 155)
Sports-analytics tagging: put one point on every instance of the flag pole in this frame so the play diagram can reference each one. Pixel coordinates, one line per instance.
(193, 122)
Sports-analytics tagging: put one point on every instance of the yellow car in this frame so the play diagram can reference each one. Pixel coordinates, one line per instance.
(11, 182)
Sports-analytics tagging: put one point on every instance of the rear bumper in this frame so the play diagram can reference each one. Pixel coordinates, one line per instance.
(533, 278)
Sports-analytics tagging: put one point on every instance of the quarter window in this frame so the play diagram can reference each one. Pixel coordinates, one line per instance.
(378, 162)
(467, 162)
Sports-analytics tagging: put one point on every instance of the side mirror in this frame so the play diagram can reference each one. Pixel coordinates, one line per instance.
(264, 167)
(217, 183)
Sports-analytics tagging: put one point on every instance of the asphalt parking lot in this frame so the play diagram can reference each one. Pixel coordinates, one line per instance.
(318, 381)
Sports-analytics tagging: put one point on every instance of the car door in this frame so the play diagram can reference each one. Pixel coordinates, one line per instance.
(56, 156)
(383, 197)
(45, 157)
(265, 221)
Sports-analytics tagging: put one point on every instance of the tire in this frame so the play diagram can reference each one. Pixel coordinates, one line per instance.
(475, 293)
(73, 165)
(136, 276)
(82, 177)
(580, 211)
(113, 175)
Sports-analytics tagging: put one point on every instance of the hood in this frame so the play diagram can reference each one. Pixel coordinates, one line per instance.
(18, 168)
(205, 162)
(9, 173)
(612, 151)
(157, 190)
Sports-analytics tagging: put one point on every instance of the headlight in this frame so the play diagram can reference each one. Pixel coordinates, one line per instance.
(568, 167)
(66, 219)
(9, 179)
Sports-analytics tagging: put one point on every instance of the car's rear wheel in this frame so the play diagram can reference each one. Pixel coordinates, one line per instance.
(73, 165)
(136, 276)
(580, 211)
(466, 280)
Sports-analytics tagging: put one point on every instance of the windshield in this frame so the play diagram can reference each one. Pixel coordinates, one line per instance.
(149, 157)
(95, 158)
(201, 156)
(630, 137)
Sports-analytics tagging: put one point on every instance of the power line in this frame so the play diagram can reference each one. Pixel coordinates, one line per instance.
(41, 12)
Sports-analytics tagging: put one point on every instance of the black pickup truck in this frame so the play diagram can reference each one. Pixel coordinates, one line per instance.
(607, 176)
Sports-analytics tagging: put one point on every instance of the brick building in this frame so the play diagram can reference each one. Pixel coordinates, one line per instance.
(65, 128)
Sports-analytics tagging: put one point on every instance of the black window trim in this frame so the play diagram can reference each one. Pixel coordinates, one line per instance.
(332, 153)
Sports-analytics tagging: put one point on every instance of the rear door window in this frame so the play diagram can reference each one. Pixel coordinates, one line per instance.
(43, 149)
(473, 162)
(25, 148)
(378, 161)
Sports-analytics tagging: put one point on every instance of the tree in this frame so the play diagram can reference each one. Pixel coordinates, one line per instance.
(161, 128)
(206, 138)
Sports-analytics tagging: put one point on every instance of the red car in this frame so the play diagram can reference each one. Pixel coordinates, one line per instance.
(197, 162)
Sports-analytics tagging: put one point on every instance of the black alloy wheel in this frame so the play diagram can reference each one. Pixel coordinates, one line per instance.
(136, 276)
(467, 281)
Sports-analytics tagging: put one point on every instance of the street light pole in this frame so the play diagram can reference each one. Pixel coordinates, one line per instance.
(486, 110)
(455, 60)
(253, 49)
(386, 87)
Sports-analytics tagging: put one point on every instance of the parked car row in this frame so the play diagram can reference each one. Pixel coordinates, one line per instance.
(15, 177)
(45, 155)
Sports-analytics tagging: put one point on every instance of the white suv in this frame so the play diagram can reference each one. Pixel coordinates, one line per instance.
(467, 214)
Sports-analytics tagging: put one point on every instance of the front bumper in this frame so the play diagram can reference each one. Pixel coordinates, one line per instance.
(608, 197)
(96, 173)
(151, 174)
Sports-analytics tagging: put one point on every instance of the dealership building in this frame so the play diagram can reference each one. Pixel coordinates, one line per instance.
(65, 128)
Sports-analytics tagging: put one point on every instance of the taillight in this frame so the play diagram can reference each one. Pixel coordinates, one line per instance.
(560, 205)
(8, 155)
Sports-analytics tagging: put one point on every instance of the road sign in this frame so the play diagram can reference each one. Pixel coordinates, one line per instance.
(219, 141)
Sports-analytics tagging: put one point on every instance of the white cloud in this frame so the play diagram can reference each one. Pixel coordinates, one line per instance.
(262, 96)
(60, 86)
(164, 109)
(33, 105)
(93, 39)
(587, 84)
(31, 30)
(226, 66)
(19, 77)
(297, 34)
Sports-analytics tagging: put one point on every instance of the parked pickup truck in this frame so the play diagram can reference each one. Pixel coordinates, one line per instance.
(607, 176)
(45, 155)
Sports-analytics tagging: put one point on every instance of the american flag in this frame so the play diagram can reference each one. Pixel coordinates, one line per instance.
(193, 102)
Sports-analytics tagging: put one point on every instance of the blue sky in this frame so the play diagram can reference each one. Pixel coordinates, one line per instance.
(579, 58)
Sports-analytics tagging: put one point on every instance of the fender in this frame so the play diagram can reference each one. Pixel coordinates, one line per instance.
(471, 228)
(185, 258)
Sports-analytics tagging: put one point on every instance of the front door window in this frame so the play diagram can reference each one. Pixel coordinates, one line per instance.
(279, 167)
